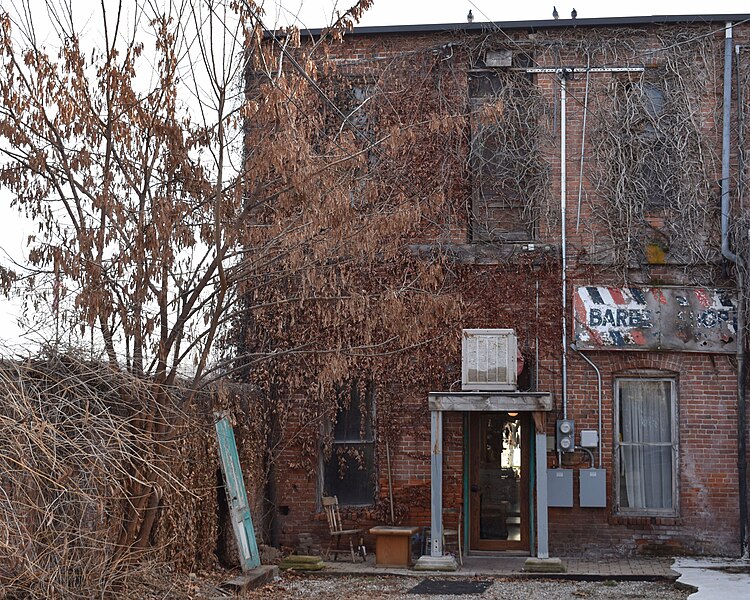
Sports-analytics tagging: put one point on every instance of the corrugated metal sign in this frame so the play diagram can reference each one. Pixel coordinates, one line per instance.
(664, 318)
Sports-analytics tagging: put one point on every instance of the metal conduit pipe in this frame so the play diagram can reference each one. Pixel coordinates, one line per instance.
(731, 256)
(589, 452)
(599, 403)
(563, 239)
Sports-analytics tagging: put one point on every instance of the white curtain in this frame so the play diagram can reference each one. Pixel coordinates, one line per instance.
(646, 444)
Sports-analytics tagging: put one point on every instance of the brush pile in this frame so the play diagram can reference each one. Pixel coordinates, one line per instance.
(76, 447)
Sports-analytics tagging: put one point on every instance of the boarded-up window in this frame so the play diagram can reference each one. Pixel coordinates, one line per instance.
(503, 158)
(349, 472)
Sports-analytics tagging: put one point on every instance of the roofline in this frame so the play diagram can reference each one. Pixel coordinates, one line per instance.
(543, 24)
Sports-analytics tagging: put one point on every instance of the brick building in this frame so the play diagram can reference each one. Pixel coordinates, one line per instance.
(595, 199)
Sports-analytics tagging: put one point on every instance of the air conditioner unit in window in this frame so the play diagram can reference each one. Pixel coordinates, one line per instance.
(488, 359)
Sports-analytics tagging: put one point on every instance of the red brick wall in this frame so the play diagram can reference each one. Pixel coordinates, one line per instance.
(707, 469)
(707, 390)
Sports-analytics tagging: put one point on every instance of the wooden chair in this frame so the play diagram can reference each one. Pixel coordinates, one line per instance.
(454, 531)
(336, 529)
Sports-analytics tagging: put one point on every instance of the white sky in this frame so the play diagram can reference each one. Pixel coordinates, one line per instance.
(317, 13)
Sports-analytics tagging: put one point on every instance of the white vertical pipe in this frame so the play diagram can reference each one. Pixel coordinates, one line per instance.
(563, 242)
(725, 149)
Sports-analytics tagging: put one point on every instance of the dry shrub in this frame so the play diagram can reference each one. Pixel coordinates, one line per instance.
(76, 444)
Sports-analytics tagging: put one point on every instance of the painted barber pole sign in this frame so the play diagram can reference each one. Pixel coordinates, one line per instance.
(658, 318)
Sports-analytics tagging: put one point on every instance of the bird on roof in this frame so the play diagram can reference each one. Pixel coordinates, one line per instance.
(470, 16)
(555, 14)
(573, 13)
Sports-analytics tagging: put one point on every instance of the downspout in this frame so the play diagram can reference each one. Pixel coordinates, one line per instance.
(599, 403)
(742, 418)
(731, 256)
(741, 363)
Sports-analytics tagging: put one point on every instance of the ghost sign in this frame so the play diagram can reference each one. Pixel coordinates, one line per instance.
(658, 318)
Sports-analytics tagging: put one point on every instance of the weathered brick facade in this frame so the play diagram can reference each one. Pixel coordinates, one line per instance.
(707, 506)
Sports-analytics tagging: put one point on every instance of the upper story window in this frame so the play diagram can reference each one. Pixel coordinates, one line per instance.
(646, 446)
(650, 143)
(355, 103)
(649, 163)
(505, 159)
(349, 471)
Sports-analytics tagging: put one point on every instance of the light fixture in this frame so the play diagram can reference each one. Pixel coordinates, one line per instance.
(512, 414)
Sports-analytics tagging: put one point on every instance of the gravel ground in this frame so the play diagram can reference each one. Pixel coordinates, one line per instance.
(292, 586)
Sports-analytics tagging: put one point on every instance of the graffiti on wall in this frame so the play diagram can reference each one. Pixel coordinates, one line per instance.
(658, 318)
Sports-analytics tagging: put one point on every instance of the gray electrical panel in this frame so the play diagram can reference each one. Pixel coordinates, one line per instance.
(560, 487)
(593, 488)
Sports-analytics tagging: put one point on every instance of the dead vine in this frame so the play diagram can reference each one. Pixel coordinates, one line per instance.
(656, 184)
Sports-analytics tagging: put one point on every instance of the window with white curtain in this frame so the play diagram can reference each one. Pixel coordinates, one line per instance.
(646, 446)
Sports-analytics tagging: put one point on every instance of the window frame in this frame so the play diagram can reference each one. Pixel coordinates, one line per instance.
(651, 138)
(512, 203)
(368, 442)
(674, 444)
(360, 91)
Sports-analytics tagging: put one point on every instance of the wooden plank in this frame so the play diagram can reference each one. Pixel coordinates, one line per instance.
(394, 530)
(487, 401)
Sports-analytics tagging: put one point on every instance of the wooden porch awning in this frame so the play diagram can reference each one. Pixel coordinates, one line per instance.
(536, 403)
(490, 401)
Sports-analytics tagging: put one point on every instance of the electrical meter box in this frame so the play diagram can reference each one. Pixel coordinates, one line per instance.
(560, 487)
(593, 488)
(566, 435)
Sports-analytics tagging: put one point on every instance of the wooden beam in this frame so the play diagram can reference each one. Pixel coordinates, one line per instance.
(488, 401)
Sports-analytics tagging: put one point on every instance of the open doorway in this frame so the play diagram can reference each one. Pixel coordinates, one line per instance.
(499, 455)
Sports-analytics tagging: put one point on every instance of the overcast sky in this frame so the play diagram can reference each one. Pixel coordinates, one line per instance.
(317, 13)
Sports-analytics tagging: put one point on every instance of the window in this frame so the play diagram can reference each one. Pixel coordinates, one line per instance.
(349, 472)
(354, 98)
(646, 446)
(651, 145)
(505, 161)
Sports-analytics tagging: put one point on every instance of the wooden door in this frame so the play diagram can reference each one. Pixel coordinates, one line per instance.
(499, 452)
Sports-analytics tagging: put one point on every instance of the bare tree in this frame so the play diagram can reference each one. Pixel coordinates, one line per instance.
(194, 177)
